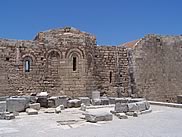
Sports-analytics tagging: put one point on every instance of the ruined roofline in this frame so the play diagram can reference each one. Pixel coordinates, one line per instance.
(63, 31)
(133, 44)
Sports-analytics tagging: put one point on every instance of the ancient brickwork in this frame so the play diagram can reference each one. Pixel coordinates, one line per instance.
(112, 69)
(62, 61)
(157, 63)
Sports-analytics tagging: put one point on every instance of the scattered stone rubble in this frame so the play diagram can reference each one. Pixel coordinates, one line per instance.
(131, 107)
(124, 107)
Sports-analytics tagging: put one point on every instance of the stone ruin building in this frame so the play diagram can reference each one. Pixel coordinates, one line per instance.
(68, 62)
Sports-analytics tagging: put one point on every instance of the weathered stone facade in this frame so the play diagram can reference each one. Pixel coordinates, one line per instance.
(68, 61)
(62, 61)
(156, 63)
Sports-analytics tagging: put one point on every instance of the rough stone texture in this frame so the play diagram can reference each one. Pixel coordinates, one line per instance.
(100, 116)
(7, 115)
(132, 107)
(51, 55)
(2, 106)
(104, 101)
(31, 111)
(85, 100)
(121, 107)
(179, 99)
(58, 109)
(121, 115)
(156, 62)
(17, 104)
(96, 101)
(74, 103)
(55, 101)
(35, 106)
(43, 100)
(112, 100)
(141, 105)
(95, 95)
(83, 107)
(68, 62)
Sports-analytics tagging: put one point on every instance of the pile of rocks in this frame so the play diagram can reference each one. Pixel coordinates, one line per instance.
(130, 107)
(11, 106)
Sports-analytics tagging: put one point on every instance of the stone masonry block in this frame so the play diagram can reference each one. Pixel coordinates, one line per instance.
(85, 100)
(2, 106)
(98, 116)
(16, 104)
(121, 107)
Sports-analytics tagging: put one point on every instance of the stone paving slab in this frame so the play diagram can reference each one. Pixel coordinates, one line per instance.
(162, 122)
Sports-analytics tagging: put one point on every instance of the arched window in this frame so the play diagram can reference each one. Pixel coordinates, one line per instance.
(74, 64)
(27, 65)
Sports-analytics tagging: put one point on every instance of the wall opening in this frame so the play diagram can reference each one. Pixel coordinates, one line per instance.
(27, 65)
(74, 64)
(110, 77)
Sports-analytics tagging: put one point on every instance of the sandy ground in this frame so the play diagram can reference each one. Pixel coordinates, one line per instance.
(162, 122)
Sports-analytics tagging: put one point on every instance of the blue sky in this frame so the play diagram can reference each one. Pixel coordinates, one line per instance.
(112, 21)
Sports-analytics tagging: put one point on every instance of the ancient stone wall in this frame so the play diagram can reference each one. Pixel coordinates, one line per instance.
(112, 69)
(157, 63)
(62, 61)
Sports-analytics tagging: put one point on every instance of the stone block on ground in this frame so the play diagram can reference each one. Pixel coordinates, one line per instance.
(179, 99)
(95, 95)
(62, 107)
(2, 106)
(43, 101)
(58, 110)
(51, 103)
(50, 110)
(85, 100)
(111, 100)
(104, 101)
(132, 107)
(121, 115)
(31, 111)
(42, 98)
(121, 100)
(16, 113)
(55, 101)
(3, 98)
(147, 105)
(129, 113)
(63, 100)
(96, 102)
(9, 116)
(121, 107)
(33, 99)
(74, 103)
(98, 116)
(17, 104)
(83, 107)
(35, 106)
(141, 105)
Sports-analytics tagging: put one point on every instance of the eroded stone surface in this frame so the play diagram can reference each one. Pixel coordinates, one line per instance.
(31, 111)
(98, 116)
(17, 104)
(35, 106)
